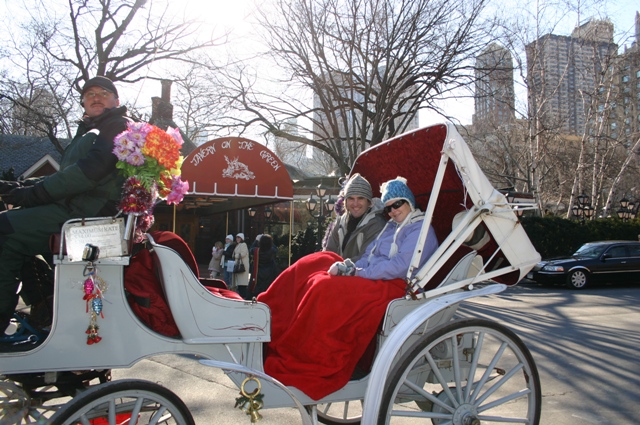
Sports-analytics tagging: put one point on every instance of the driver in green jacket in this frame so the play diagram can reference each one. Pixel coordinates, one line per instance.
(87, 185)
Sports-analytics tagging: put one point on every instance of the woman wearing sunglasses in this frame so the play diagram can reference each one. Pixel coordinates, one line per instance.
(325, 310)
(389, 256)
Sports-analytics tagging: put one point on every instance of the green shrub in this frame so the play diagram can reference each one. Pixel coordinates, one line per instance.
(554, 236)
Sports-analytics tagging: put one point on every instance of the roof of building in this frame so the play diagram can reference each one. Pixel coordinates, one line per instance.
(22, 152)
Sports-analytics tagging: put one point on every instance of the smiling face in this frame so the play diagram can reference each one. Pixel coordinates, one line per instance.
(398, 212)
(357, 205)
(96, 99)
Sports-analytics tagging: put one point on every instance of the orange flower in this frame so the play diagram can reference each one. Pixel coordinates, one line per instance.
(163, 148)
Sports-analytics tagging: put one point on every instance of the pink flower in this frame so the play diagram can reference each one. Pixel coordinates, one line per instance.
(178, 190)
(175, 133)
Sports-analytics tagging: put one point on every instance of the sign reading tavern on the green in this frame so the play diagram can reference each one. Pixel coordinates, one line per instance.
(236, 167)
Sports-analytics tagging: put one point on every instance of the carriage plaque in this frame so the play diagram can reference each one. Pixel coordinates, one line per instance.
(107, 235)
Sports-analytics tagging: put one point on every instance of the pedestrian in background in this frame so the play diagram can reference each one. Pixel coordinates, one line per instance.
(241, 256)
(227, 256)
(265, 269)
(215, 265)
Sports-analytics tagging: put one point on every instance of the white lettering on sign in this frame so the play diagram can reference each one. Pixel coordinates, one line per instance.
(202, 154)
(226, 144)
(246, 145)
(270, 159)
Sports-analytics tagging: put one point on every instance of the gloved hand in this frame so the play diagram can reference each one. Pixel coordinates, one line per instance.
(28, 196)
(7, 186)
(350, 267)
(343, 268)
(334, 270)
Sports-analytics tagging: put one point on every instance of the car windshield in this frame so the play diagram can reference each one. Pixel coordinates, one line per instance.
(591, 251)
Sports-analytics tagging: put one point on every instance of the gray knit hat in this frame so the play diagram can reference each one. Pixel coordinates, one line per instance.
(358, 186)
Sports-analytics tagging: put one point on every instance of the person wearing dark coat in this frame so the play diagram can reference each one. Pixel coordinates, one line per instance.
(86, 185)
(266, 269)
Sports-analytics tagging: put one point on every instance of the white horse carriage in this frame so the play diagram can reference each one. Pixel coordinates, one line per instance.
(430, 366)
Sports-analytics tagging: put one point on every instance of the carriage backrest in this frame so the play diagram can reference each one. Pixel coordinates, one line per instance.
(446, 180)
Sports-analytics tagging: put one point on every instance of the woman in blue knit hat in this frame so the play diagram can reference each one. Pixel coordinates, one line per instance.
(325, 310)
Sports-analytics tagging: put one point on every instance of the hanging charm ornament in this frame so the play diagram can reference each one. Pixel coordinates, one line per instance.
(251, 403)
(94, 288)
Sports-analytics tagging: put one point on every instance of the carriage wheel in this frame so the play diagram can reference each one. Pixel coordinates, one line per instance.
(117, 401)
(18, 407)
(344, 412)
(465, 372)
(28, 399)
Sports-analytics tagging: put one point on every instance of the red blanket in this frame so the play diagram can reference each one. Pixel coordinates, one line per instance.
(321, 324)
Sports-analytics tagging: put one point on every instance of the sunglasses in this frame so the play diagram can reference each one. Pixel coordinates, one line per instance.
(395, 205)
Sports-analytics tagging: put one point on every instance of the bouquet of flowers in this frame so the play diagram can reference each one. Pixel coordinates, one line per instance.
(150, 159)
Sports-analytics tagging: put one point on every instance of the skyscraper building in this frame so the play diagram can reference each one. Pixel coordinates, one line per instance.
(494, 97)
(625, 124)
(565, 73)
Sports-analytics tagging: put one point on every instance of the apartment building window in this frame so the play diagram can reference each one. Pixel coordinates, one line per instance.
(614, 125)
(637, 74)
(625, 78)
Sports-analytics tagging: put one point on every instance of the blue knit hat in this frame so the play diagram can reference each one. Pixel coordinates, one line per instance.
(396, 189)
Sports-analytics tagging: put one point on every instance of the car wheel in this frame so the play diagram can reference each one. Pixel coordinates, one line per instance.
(577, 279)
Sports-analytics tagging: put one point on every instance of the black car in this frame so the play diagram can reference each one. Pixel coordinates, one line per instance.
(593, 262)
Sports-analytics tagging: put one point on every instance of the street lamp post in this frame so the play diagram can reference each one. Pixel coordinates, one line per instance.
(268, 212)
(252, 213)
(311, 206)
(628, 210)
(583, 210)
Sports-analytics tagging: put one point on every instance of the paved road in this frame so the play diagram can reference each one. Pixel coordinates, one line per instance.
(585, 344)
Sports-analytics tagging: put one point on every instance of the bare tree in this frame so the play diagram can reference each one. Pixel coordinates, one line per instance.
(355, 72)
(553, 151)
(122, 39)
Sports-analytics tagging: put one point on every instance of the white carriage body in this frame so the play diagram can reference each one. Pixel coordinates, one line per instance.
(231, 333)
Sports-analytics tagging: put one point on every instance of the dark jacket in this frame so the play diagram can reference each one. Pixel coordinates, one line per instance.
(88, 183)
(228, 252)
(366, 232)
(267, 270)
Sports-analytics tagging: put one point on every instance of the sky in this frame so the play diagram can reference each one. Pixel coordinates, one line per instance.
(235, 16)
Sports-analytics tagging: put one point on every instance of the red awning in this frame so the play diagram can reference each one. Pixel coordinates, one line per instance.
(236, 172)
